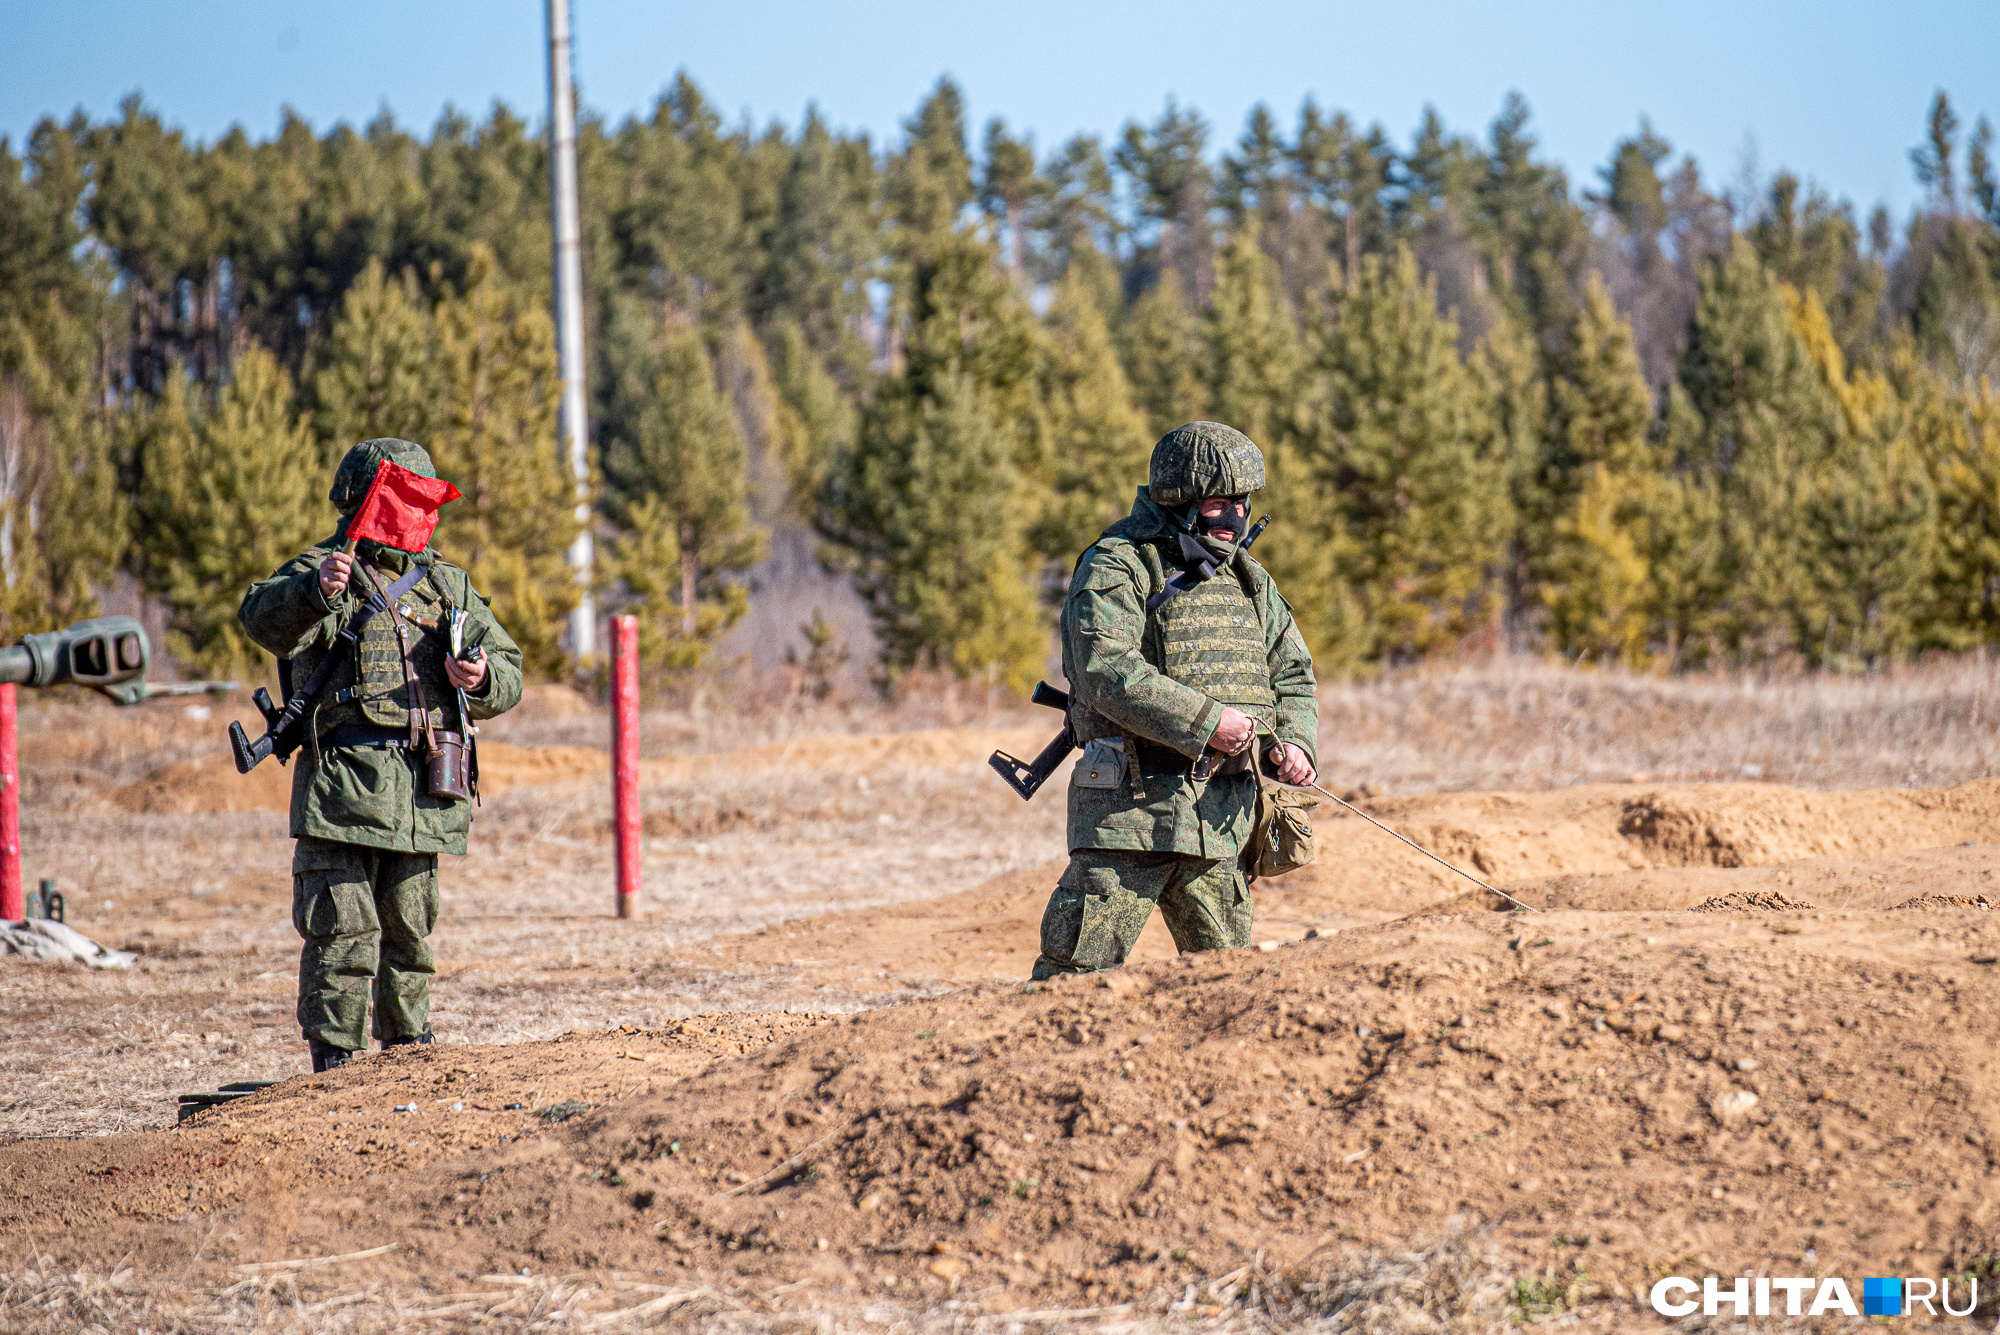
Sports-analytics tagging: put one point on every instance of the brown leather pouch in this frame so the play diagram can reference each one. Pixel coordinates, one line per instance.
(448, 767)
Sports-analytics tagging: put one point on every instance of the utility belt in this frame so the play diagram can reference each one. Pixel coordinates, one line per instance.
(449, 767)
(1159, 759)
(387, 739)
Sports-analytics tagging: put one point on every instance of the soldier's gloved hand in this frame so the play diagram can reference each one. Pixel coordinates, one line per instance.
(466, 674)
(1293, 767)
(334, 572)
(1233, 733)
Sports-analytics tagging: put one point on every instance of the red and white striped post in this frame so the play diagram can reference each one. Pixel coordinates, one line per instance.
(624, 760)
(12, 907)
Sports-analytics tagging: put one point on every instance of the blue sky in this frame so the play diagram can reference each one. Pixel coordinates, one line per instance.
(1834, 90)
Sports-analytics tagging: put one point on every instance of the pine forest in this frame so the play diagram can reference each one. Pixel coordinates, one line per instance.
(1637, 419)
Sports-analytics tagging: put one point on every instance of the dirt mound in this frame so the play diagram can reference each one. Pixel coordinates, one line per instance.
(853, 754)
(1604, 1102)
(1947, 902)
(1762, 901)
(552, 702)
(207, 784)
(1362, 878)
(1612, 827)
(503, 767)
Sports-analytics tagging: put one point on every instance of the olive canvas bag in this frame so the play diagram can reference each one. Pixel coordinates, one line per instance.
(1281, 838)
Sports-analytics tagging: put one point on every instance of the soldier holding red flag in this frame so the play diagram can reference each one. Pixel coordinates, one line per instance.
(386, 774)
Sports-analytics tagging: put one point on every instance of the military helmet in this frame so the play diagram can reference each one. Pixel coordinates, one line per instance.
(357, 470)
(1202, 459)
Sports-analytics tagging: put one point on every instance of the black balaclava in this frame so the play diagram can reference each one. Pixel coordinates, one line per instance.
(1200, 553)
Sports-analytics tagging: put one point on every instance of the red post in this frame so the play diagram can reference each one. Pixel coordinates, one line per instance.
(12, 908)
(624, 760)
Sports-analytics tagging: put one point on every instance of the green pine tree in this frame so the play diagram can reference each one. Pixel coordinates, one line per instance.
(1595, 463)
(1402, 555)
(1599, 408)
(743, 377)
(1871, 512)
(930, 181)
(1596, 582)
(1097, 446)
(229, 491)
(1874, 515)
(1684, 542)
(376, 375)
(1957, 433)
(1509, 368)
(63, 518)
(931, 507)
(492, 419)
(1008, 184)
(1767, 424)
(1163, 358)
(1251, 345)
(815, 421)
(678, 473)
(930, 512)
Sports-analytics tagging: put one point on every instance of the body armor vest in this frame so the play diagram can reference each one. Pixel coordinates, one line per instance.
(1211, 638)
(370, 687)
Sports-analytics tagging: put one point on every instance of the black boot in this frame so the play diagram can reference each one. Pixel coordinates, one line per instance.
(326, 1056)
(405, 1041)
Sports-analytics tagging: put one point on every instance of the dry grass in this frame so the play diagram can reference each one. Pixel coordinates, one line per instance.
(1526, 723)
(1452, 1286)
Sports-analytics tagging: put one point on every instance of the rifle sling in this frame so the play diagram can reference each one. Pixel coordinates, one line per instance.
(295, 707)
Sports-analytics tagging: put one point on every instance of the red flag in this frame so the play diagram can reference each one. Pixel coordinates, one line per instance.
(400, 509)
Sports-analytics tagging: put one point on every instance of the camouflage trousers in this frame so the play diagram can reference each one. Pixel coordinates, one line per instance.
(1103, 900)
(364, 914)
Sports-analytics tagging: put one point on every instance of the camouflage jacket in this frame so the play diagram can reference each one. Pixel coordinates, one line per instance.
(1118, 689)
(371, 795)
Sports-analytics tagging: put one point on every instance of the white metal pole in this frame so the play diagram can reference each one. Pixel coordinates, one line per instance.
(569, 314)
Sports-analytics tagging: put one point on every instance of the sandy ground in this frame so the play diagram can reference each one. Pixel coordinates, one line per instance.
(1749, 1031)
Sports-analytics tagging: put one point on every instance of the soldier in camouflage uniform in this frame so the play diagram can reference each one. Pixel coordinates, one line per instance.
(364, 873)
(1207, 670)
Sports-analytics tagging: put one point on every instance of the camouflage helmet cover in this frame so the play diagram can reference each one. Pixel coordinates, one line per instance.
(357, 470)
(1202, 459)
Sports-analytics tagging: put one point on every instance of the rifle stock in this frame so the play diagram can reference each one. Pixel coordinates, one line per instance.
(1027, 776)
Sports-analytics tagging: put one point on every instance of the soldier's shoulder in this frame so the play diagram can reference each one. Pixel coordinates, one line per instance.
(456, 579)
(307, 559)
(1112, 558)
